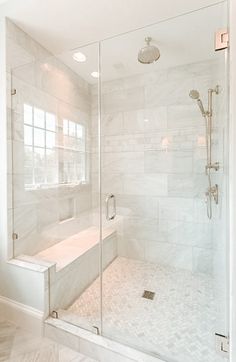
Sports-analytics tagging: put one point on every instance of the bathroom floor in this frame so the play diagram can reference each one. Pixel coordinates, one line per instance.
(17, 345)
(178, 323)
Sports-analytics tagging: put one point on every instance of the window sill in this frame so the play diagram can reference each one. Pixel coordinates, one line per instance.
(56, 186)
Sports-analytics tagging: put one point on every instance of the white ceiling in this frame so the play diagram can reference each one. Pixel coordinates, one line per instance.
(60, 25)
(183, 40)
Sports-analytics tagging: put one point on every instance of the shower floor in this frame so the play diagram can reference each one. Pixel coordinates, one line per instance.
(178, 323)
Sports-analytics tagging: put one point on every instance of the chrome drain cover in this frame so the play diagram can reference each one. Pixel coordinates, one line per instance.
(148, 294)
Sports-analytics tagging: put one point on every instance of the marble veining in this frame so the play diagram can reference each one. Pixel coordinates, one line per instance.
(179, 323)
(17, 345)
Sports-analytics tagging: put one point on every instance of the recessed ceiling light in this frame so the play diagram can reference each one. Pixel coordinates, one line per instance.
(95, 74)
(79, 57)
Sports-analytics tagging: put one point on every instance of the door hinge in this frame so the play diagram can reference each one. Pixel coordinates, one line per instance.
(222, 344)
(221, 39)
(15, 236)
(96, 330)
(54, 314)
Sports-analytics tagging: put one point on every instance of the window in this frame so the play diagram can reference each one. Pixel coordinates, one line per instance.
(39, 142)
(74, 155)
(49, 158)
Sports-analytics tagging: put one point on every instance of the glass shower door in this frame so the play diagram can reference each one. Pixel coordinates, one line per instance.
(161, 252)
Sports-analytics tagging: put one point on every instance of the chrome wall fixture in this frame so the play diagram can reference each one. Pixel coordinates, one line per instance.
(212, 191)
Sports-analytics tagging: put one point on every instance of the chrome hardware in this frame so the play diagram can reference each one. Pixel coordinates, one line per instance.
(15, 236)
(97, 331)
(222, 344)
(213, 192)
(215, 166)
(108, 198)
(221, 39)
(54, 314)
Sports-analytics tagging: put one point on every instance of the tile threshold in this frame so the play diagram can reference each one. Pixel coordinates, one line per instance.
(93, 345)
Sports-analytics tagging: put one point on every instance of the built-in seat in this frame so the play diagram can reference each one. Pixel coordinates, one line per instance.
(73, 264)
(68, 250)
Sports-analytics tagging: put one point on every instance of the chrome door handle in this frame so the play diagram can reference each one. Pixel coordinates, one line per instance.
(108, 198)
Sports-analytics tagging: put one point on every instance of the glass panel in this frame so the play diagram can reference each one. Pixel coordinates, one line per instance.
(65, 126)
(55, 189)
(28, 135)
(72, 128)
(50, 139)
(28, 114)
(39, 118)
(50, 122)
(161, 252)
(39, 137)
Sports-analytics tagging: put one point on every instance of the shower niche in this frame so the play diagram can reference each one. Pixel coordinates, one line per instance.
(120, 184)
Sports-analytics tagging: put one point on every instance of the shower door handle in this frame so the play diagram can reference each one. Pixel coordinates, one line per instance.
(108, 199)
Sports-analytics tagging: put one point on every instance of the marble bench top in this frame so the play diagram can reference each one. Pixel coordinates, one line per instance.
(66, 251)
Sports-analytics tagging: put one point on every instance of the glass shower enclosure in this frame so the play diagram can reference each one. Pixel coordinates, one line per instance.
(115, 189)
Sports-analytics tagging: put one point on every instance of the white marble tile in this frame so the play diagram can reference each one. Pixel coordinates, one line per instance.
(137, 206)
(176, 209)
(125, 100)
(202, 260)
(134, 121)
(183, 309)
(178, 256)
(124, 162)
(18, 345)
(168, 161)
(145, 184)
(112, 124)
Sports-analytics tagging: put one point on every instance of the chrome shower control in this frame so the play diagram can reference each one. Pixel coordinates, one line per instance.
(215, 166)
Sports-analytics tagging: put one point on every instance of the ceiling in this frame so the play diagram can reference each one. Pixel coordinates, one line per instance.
(60, 25)
(119, 54)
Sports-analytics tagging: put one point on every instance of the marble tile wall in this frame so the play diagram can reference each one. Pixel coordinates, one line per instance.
(153, 159)
(44, 82)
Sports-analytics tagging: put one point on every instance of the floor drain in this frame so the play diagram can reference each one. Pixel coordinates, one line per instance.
(148, 295)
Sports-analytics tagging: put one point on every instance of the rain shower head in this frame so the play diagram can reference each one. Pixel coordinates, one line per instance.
(194, 94)
(148, 54)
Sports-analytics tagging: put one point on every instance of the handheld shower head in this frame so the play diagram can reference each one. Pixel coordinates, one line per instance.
(194, 94)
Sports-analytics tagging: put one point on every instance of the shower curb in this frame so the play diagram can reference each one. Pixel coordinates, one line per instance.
(93, 345)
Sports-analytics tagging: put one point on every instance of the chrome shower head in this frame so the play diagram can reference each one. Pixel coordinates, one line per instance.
(194, 94)
(148, 54)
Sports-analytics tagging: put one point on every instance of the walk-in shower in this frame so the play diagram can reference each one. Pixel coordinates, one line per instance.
(109, 183)
(212, 191)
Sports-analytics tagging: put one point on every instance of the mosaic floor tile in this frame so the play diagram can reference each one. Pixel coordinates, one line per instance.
(179, 323)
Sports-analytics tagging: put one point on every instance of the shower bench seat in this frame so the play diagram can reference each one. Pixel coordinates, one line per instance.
(74, 247)
(73, 264)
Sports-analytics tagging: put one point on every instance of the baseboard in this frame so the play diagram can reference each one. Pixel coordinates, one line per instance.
(22, 315)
